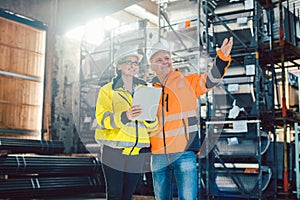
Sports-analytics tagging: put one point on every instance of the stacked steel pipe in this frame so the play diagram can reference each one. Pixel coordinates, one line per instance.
(33, 176)
(48, 186)
(14, 145)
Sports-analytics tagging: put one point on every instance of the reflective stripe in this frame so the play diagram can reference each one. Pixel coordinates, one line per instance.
(203, 82)
(175, 132)
(191, 113)
(112, 121)
(106, 114)
(122, 144)
(152, 128)
(132, 124)
(212, 78)
(180, 84)
(193, 128)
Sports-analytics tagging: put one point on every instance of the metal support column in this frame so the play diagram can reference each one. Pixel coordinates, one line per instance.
(297, 160)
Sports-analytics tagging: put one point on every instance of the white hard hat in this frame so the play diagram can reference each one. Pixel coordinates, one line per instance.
(125, 51)
(160, 46)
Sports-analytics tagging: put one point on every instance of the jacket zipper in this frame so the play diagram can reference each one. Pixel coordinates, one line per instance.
(163, 118)
(136, 127)
(125, 99)
(163, 112)
(136, 136)
(167, 103)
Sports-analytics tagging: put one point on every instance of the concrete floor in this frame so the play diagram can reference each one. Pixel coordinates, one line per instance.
(280, 196)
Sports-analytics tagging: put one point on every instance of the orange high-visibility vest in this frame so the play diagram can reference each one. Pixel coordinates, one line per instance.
(178, 121)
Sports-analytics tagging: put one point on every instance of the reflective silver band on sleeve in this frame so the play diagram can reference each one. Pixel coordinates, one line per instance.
(212, 79)
(106, 114)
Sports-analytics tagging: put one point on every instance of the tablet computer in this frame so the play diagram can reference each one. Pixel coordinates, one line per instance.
(148, 99)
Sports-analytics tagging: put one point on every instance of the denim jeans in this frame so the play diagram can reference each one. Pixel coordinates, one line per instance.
(183, 166)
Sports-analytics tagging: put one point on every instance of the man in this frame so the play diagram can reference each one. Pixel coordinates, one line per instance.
(175, 144)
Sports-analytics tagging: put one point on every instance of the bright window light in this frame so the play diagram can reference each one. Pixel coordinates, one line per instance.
(110, 23)
(140, 11)
(93, 32)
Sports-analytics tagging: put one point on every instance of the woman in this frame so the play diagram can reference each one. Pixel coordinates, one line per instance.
(122, 138)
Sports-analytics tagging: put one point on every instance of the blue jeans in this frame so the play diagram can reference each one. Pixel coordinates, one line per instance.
(183, 166)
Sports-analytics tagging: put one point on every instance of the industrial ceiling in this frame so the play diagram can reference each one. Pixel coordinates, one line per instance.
(68, 14)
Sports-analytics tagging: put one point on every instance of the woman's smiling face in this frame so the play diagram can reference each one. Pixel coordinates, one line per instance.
(129, 66)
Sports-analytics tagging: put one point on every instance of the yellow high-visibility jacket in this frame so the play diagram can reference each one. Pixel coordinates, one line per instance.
(114, 128)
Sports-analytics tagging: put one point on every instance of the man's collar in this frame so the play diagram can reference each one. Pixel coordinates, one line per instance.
(155, 80)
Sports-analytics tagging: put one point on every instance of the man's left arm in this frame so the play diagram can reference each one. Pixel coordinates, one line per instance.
(221, 63)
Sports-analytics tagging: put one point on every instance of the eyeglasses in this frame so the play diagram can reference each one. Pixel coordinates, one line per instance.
(129, 62)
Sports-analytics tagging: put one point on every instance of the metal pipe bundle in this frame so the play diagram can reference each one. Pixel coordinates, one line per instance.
(49, 165)
(14, 145)
(31, 176)
(47, 187)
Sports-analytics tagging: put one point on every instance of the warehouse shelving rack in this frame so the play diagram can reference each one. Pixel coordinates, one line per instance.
(244, 21)
(183, 31)
(283, 54)
(233, 171)
(297, 160)
(93, 63)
